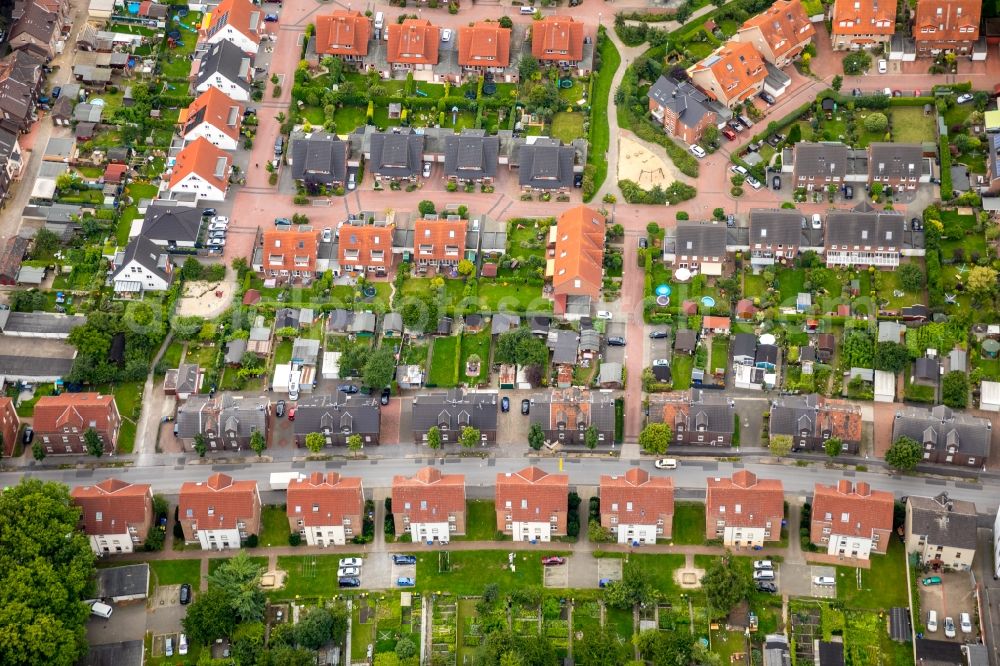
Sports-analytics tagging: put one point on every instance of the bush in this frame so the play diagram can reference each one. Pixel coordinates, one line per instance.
(876, 122)
(252, 541)
(294, 539)
(857, 63)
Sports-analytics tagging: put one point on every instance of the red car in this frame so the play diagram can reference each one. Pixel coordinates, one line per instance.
(729, 133)
(552, 561)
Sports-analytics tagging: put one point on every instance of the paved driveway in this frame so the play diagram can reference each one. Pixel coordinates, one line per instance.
(583, 571)
(950, 599)
(127, 623)
(796, 580)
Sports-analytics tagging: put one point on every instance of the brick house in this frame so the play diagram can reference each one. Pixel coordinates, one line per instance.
(485, 47)
(62, 421)
(289, 255)
(9, 426)
(215, 116)
(429, 506)
(364, 247)
(951, 26)
(863, 239)
(565, 415)
(576, 253)
(326, 509)
(451, 412)
(343, 34)
(862, 24)
(851, 520)
(680, 108)
(946, 437)
(897, 165)
(439, 242)
(219, 513)
(811, 420)
(413, 45)
(731, 74)
(942, 530)
(775, 235)
(532, 505)
(116, 516)
(780, 33)
(818, 165)
(698, 418)
(698, 246)
(558, 40)
(637, 507)
(744, 511)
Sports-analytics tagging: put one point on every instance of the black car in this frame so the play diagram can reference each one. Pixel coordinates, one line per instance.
(386, 392)
(643, 243)
(525, 406)
(776, 182)
(658, 335)
(730, 222)
(404, 559)
(349, 581)
(505, 404)
(28, 435)
(279, 408)
(207, 212)
(578, 180)
(767, 97)
(347, 388)
(185, 594)
(766, 586)
(616, 341)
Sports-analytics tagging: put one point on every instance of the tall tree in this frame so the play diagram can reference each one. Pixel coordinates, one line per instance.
(725, 585)
(210, 616)
(655, 438)
(955, 389)
(536, 436)
(434, 438)
(320, 626)
(599, 648)
(315, 441)
(257, 442)
(92, 441)
(590, 437)
(199, 444)
(354, 443)
(632, 589)
(469, 438)
(780, 445)
(240, 576)
(833, 447)
(379, 368)
(903, 454)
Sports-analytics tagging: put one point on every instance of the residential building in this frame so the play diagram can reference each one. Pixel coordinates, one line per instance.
(471, 157)
(365, 246)
(238, 21)
(733, 73)
(576, 256)
(395, 155)
(942, 530)
(21, 78)
(215, 116)
(851, 520)
(38, 31)
(776, 235)
(862, 24)
(224, 421)
(565, 416)
(777, 651)
(219, 513)
(227, 67)
(344, 34)
(900, 166)
(811, 420)
(200, 172)
(182, 381)
(698, 246)
(950, 26)
(326, 509)
(946, 437)
(116, 516)
(558, 40)
(429, 506)
(484, 47)
(744, 511)
(171, 226)
(697, 417)
(413, 45)
(452, 411)
(319, 160)
(546, 165)
(143, 267)
(439, 242)
(61, 422)
(10, 425)
(993, 162)
(683, 110)
(816, 166)
(779, 33)
(863, 239)
(637, 508)
(289, 255)
(532, 505)
(337, 417)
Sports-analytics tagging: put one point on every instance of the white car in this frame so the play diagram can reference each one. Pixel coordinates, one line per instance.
(327, 235)
(949, 627)
(660, 362)
(763, 564)
(697, 150)
(217, 234)
(603, 314)
(824, 580)
(216, 242)
(427, 169)
(220, 219)
(666, 463)
(348, 571)
(763, 574)
(182, 645)
(753, 182)
(215, 226)
(350, 562)
(883, 66)
(736, 168)
(446, 35)
(817, 221)
(932, 625)
(351, 181)
(965, 623)
(964, 98)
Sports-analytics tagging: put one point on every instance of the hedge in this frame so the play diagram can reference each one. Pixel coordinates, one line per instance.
(944, 148)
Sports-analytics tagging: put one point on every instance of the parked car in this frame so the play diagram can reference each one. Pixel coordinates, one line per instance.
(730, 220)
(279, 146)
(578, 180)
(327, 234)
(643, 243)
(350, 562)
(824, 580)
(932, 622)
(660, 362)
(766, 586)
(965, 623)
(404, 559)
(817, 221)
(384, 398)
(657, 335)
(964, 98)
(697, 150)
(753, 182)
(405, 581)
(220, 219)
(28, 435)
(352, 180)
(182, 645)
(279, 408)
(168, 646)
(216, 242)
(768, 97)
(932, 580)
(505, 404)
(427, 169)
(347, 388)
(764, 574)
(56, 92)
(729, 133)
(348, 571)
(763, 564)
(776, 182)
(185, 597)
(207, 212)
(525, 406)
(949, 627)
(446, 35)
(883, 66)
(349, 581)
(738, 169)
(616, 341)
(848, 192)
(291, 414)
(603, 314)
(666, 463)
(270, 18)
(553, 560)
(215, 226)
(218, 233)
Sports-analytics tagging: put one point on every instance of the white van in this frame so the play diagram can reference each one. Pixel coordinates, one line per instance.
(182, 644)
(168, 647)
(527, 9)
(379, 20)
(932, 624)
(101, 610)
(764, 574)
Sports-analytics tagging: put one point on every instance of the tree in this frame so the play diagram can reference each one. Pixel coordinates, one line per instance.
(780, 445)
(536, 436)
(354, 443)
(405, 648)
(903, 454)
(38, 451)
(465, 267)
(725, 585)
(633, 589)
(891, 356)
(876, 122)
(590, 437)
(315, 441)
(856, 63)
(527, 67)
(434, 438)
(833, 446)
(320, 626)
(982, 280)
(92, 442)
(662, 647)
(199, 445)
(955, 389)
(710, 135)
(257, 442)
(596, 533)
(210, 616)
(837, 82)
(599, 648)
(469, 438)
(379, 368)
(655, 438)
(45, 246)
(520, 347)
(239, 577)
(247, 642)
(46, 571)
(426, 207)
(506, 22)
(287, 656)
(911, 278)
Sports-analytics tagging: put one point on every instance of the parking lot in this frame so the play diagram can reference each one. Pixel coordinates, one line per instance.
(614, 354)
(950, 599)
(557, 575)
(401, 571)
(609, 568)
(796, 580)
(127, 622)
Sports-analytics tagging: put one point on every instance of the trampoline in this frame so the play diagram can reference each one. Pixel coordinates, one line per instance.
(663, 301)
(369, 291)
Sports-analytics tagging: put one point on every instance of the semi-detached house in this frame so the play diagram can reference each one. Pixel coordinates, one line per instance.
(851, 520)
(200, 172)
(219, 513)
(558, 40)
(238, 21)
(780, 33)
(532, 505)
(116, 516)
(855, 238)
(637, 508)
(429, 506)
(949, 26)
(575, 262)
(744, 511)
(485, 47)
(413, 45)
(215, 116)
(343, 34)
(289, 255)
(365, 246)
(942, 530)
(862, 24)
(227, 67)
(732, 73)
(325, 509)
(61, 421)
(439, 242)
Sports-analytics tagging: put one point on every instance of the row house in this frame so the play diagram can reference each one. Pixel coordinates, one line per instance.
(289, 255)
(395, 155)
(942, 530)
(365, 246)
(439, 242)
(61, 421)
(698, 418)
(816, 166)
(993, 163)
(946, 26)
(546, 165)
(21, 79)
(565, 415)
(214, 116)
(637, 508)
(777, 236)
(413, 45)
(850, 520)
(318, 160)
(225, 421)
(325, 509)
(200, 173)
(38, 31)
(532, 505)
(452, 411)
(227, 67)
(901, 166)
(471, 157)
(343, 34)
(744, 511)
(11, 162)
(780, 33)
(733, 73)
(429, 506)
(337, 417)
(681, 109)
(10, 425)
(946, 437)
(484, 48)
(698, 246)
(238, 21)
(862, 24)
(575, 263)
(219, 513)
(811, 420)
(559, 41)
(116, 516)
(858, 239)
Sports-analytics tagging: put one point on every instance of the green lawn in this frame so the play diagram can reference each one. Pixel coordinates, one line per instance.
(790, 284)
(720, 353)
(309, 575)
(600, 132)
(567, 126)
(883, 586)
(421, 288)
(621, 624)
(680, 367)
(470, 571)
(172, 356)
(959, 236)
(526, 238)
(689, 523)
(348, 118)
(658, 570)
(444, 362)
(753, 286)
(283, 352)
(911, 125)
(273, 527)
(498, 296)
(887, 284)
(216, 562)
(480, 521)
(478, 344)
(175, 572)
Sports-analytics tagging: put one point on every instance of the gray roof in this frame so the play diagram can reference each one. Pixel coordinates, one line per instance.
(126, 581)
(392, 321)
(766, 354)
(305, 351)
(337, 413)
(864, 229)
(807, 353)
(926, 368)
(957, 360)
(563, 404)
(41, 323)
(396, 154)
(895, 160)
(941, 426)
(178, 224)
(546, 165)
(88, 113)
(13, 367)
(993, 141)
(793, 414)
(236, 350)
(744, 344)
(320, 158)
(226, 59)
(364, 322)
(944, 521)
(685, 339)
(286, 318)
(564, 346)
(701, 239)
(820, 160)
(454, 410)
(471, 155)
(709, 411)
(890, 331)
(147, 254)
(689, 103)
(610, 373)
(776, 651)
(503, 322)
(225, 412)
(339, 319)
(774, 226)
(128, 653)
(187, 377)
(590, 340)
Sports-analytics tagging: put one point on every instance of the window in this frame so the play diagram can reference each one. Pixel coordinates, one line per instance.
(100, 516)
(524, 504)
(315, 508)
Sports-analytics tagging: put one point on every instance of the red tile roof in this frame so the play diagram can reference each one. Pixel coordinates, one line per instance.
(714, 322)
(113, 173)
(947, 20)
(853, 509)
(868, 17)
(484, 44)
(75, 410)
(365, 239)
(557, 38)
(9, 425)
(217, 109)
(119, 505)
(343, 33)
(759, 501)
(444, 494)
(737, 67)
(413, 42)
(784, 25)
(219, 503)
(292, 249)
(200, 157)
(244, 17)
(439, 235)
(325, 499)
(578, 263)
(650, 496)
(545, 494)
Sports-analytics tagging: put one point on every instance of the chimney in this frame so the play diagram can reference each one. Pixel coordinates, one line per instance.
(863, 489)
(844, 487)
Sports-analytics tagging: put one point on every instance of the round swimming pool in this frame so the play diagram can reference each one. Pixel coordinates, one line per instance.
(708, 301)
